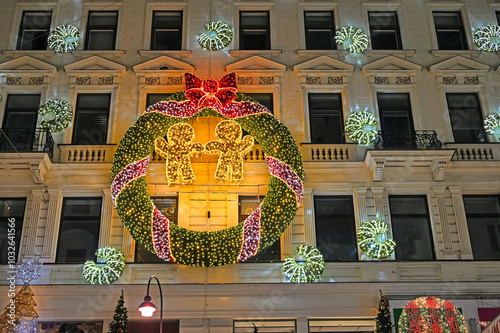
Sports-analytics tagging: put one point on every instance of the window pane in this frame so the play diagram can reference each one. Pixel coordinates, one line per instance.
(101, 30)
(91, 119)
(498, 17)
(11, 217)
(466, 118)
(395, 114)
(103, 18)
(101, 40)
(384, 31)
(326, 118)
(21, 111)
(166, 32)
(34, 30)
(450, 32)
(254, 30)
(79, 230)
(320, 30)
(483, 220)
(335, 228)
(255, 19)
(411, 228)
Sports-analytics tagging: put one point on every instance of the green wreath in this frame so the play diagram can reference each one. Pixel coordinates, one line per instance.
(354, 39)
(306, 272)
(173, 243)
(373, 239)
(487, 38)
(219, 36)
(491, 123)
(107, 273)
(62, 111)
(64, 38)
(355, 127)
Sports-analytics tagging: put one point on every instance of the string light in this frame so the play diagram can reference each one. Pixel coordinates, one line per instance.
(355, 127)
(107, 273)
(64, 38)
(210, 98)
(373, 239)
(28, 271)
(306, 272)
(354, 39)
(219, 36)
(492, 122)
(487, 38)
(62, 112)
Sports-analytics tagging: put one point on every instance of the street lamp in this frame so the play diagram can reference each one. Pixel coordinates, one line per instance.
(147, 308)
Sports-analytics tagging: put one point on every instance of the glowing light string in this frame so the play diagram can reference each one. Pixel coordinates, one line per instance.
(306, 272)
(64, 38)
(62, 112)
(492, 123)
(355, 127)
(220, 35)
(354, 39)
(251, 235)
(107, 273)
(487, 38)
(373, 239)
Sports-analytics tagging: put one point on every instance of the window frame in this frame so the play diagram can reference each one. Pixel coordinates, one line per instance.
(463, 18)
(153, 30)
(333, 28)
(399, 38)
(343, 135)
(6, 109)
(108, 126)
(481, 114)
(97, 27)
(21, 29)
(412, 118)
(241, 29)
(19, 244)
(497, 15)
(148, 23)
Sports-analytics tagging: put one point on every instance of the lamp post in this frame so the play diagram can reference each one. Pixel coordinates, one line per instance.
(147, 308)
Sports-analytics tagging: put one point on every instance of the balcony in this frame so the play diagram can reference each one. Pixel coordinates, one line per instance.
(475, 151)
(26, 140)
(404, 140)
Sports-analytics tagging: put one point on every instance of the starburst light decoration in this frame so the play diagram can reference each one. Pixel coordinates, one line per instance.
(355, 127)
(218, 37)
(64, 38)
(62, 114)
(491, 123)
(105, 273)
(28, 271)
(374, 241)
(354, 39)
(487, 38)
(306, 272)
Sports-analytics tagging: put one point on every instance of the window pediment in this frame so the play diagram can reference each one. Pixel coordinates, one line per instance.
(391, 70)
(94, 71)
(26, 70)
(257, 70)
(163, 70)
(324, 70)
(459, 71)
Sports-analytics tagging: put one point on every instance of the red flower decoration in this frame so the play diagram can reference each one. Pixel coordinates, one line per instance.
(211, 93)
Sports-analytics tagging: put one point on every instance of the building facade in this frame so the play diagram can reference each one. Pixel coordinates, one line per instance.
(431, 174)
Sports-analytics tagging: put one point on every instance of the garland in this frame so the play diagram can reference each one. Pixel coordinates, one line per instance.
(148, 226)
(62, 111)
(491, 123)
(219, 36)
(308, 272)
(110, 272)
(64, 38)
(355, 127)
(487, 38)
(354, 39)
(373, 239)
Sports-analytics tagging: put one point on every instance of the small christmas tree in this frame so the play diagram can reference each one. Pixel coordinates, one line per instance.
(120, 318)
(383, 320)
(24, 307)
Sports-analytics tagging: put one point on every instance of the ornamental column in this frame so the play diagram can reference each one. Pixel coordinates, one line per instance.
(308, 206)
(31, 227)
(106, 218)
(442, 222)
(52, 226)
(461, 221)
(360, 204)
(381, 204)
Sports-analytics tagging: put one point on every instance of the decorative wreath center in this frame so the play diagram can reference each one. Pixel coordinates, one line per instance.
(219, 36)
(374, 241)
(487, 38)
(62, 114)
(148, 226)
(354, 39)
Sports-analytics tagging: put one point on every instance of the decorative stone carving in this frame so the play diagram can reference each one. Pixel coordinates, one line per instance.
(35, 81)
(471, 80)
(266, 80)
(152, 80)
(13, 81)
(38, 175)
(174, 80)
(313, 80)
(335, 80)
(438, 169)
(103, 81)
(450, 80)
(378, 171)
(83, 81)
(403, 80)
(381, 80)
(245, 80)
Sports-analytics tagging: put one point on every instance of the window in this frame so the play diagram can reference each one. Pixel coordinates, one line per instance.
(396, 120)
(483, 219)
(101, 30)
(326, 118)
(450, 31)
(265, 99)
(168, 206)
(320, 30)
(79, 229)
(255, 31)
(34, 30)
(155, 98)
(91, 119)
(247, 204)
(335, 228)
(498, 17)
(411, 227)
(166, 32)
(466, 118)
(384, 31)
(11, 222)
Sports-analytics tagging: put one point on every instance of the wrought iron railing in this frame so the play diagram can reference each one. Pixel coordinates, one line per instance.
(404, 140)
(26, 140)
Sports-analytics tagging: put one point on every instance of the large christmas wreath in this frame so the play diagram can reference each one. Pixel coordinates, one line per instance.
(62, 114)
(487, 38)
(218, 37)
(64, 38)
(104, 273)
(148, 226)
(354, 39)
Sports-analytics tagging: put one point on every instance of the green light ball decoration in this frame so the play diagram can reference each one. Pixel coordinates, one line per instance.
(306, 272)
(219, 36)
(107, 273)
(169, 241)
(354, 39)
(64, 38)
(492, 122)
(62, 115)
(487, 38)
(355, 127)
(373, 239)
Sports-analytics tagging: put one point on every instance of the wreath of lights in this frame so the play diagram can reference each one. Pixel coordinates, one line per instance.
(487, 38)
(62, 111)
(491, 123)
(431, 314)
(373, 239)
(354, 39)
(306, 272)
(219, 36)
(148, 226)
(107, 273)
(64, 38)
(355, 127)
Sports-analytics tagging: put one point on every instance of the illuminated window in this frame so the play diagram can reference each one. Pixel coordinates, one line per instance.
(326, 118)
(91, 119)
(450, 31)
(466, 117)
(320, 30)
(335, 228)
(166, 32)
(255, 30)
(101, 30)
(34, 30)
(11, 215)
(483, 219)
(384, 31)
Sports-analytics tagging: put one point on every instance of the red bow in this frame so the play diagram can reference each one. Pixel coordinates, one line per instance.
(211, 93)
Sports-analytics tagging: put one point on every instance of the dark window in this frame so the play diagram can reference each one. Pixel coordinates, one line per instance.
(247, 204)
(34, 30)
(411, 227)
(450, 31)
(153, 326)
(11, 225)
(335, 228)
(168, 206)
(255, 31)
(326, 118)
(384, 31)
(466, 118)
(155, 98)
(101, 30)
(320, 30)
(166, 32)
(483, 219)
(265, 99)
(498, 17)
(395, 112)
(79, 229)
(91, 119)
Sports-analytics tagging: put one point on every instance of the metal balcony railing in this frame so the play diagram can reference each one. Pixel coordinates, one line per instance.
(404, 140)
(26, 140)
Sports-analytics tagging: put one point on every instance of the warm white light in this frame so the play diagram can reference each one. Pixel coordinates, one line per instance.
(147, 311)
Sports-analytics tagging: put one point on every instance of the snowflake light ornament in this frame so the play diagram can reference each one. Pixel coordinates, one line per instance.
(28, 271)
